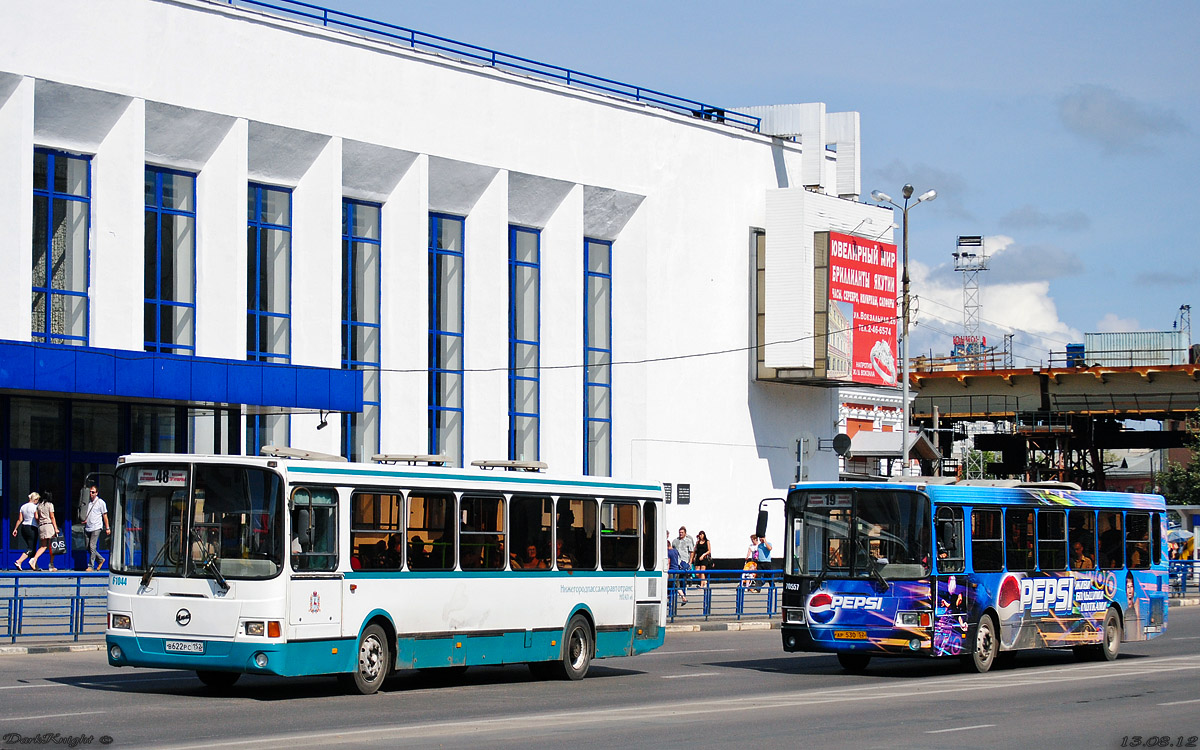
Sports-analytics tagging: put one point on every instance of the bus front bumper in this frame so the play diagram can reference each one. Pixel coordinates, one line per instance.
(249, 657)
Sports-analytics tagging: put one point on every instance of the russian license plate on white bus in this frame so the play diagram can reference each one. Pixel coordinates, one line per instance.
(185, 647)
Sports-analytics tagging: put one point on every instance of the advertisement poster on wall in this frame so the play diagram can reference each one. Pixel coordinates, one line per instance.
(861, 312)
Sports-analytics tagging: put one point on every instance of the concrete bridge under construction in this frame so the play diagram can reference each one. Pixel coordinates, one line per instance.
(1055, 423)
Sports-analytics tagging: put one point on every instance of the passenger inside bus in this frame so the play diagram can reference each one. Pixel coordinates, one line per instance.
(1079, 558)
(529, 560)
(565, 559)
(418, 557)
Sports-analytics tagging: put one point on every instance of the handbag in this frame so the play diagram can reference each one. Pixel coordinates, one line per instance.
(58, 545)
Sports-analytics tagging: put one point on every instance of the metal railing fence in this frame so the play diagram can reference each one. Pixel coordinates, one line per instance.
(724, 594)
(463, 51)
(1185, 577)
(45, 605)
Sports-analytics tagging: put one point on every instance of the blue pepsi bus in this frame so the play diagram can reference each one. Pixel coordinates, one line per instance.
(970, 570)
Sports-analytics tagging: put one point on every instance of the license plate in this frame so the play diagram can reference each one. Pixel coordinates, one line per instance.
(850, 635)
(185, 647)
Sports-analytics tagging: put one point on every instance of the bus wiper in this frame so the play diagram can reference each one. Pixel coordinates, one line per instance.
(149, 574)
(872, 566)
(824, 572)
(211, 563)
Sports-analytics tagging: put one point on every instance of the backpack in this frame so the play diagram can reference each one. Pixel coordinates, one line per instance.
(81, 507)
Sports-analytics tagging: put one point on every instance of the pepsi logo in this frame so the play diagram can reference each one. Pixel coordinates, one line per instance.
(1008, 598)
(820, 608)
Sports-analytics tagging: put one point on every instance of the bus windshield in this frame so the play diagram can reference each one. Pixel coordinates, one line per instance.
(859, 534)
(202, 520)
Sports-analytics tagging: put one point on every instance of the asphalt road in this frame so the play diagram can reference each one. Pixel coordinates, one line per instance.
(706, 689)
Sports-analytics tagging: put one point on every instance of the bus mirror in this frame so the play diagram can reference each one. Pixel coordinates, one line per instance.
(761, 529)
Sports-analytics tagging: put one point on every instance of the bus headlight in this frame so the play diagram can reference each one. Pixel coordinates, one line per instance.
(913, 619)
(257, 627)
(794, 616)
(260, 659)
(114, 652)
(120, 622)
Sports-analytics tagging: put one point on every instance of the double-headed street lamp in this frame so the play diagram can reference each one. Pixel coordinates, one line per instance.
(879, 197)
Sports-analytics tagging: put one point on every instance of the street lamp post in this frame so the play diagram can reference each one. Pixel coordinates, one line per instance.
(880, 197)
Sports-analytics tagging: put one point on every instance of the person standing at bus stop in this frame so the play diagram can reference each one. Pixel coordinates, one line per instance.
(95, 521)
(28, 528)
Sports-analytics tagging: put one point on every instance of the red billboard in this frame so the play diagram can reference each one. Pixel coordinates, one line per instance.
(862, 301)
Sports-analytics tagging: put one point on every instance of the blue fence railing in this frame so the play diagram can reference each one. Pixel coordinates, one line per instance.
(56, 606)
(1185, 577)
(725, 594)
(388, 32)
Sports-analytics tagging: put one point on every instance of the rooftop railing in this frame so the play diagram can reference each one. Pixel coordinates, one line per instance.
(417, 40)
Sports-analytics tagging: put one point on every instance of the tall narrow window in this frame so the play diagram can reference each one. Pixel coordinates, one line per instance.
(360, 322)
(446, 337)
(524, 332)
(169, 267)
(597, 351)
(268, 298)
(62, 201)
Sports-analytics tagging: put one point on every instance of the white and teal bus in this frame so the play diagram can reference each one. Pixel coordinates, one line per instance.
(230, 565)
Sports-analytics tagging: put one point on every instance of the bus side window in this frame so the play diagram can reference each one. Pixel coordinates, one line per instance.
(1052, 539)
(1082, 536)
(1112, 541)
(1137, 540)
(949, 540)
(314, 529)
(1018, 538)
(987, 545)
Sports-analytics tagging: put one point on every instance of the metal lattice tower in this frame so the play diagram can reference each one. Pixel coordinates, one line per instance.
(1008, 351)
(1185, 322)
(970, 259)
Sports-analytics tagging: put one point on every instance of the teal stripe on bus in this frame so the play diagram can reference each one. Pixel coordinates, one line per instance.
(401, 474)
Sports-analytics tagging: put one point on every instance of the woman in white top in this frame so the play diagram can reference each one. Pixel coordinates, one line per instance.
(27, 528)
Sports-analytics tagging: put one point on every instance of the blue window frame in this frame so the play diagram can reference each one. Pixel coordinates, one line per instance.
(597, 354)
(269, 274)
(268, 298)
(361, 254)
(62, 208)
(446, 328)
(170, 261)
(524, 347)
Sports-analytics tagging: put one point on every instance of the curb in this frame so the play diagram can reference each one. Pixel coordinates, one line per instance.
(696, 627)
(55, 649)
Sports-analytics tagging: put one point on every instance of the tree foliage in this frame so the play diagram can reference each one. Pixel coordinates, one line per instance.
(1181, 482)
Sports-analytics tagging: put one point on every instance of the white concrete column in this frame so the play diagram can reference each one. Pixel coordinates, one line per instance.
(404, 314)
(317, 282)
(221, 248)
(16, 210)
(485, 392)
(562, 336)
(630, 410)
(118, 290)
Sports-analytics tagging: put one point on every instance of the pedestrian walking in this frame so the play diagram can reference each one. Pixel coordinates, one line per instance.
(95, 522)
(47, 530)
(27, 527)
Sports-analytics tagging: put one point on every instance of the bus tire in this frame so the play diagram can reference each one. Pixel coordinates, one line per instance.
(987, 645)
(577, 650)
(217, 680)
(854, 662)
(1110, 643)
(372, 665)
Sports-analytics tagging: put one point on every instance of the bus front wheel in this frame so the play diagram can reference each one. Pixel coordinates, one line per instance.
(372, 665)
(987, 645)
(1110, 646)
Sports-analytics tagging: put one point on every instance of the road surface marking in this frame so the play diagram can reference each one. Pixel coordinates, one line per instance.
(961, 729)
(1180, 703)
(698, 651)
(691, 674)
(53, 716)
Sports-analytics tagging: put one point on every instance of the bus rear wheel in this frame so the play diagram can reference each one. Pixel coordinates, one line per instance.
(576, 650)
(217, 680)
(987, 645)
(372, 665)
(854, 662)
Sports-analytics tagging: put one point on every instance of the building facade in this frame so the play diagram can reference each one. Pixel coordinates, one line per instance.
(225, 228)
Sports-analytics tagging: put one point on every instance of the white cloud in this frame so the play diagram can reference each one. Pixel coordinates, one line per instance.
(1111, 323)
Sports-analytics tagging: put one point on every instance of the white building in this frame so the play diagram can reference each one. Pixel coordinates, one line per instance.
(440, 256)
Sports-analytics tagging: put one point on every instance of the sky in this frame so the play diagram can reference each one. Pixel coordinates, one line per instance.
(1065, 133)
